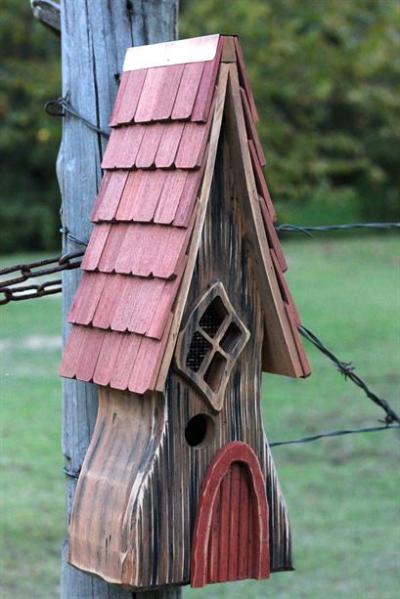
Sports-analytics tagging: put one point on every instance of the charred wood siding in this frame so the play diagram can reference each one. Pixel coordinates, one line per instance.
(174, 484)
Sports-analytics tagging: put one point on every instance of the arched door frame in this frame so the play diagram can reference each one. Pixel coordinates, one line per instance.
(235, 452)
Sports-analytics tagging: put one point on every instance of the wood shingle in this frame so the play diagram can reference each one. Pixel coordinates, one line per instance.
(144, 216)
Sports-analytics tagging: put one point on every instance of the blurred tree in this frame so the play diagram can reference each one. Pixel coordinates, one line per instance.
(29, 139)
(326, 77)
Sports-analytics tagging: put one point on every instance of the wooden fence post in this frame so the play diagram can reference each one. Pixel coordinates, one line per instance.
(94, 37)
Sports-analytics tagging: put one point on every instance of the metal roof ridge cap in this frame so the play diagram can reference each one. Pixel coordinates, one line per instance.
(195, 49)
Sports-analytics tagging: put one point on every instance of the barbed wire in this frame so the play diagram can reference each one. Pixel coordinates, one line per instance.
(348, 371)
(60, 106)
(308, 230)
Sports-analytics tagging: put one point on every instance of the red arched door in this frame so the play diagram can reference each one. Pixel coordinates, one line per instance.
(231, 540)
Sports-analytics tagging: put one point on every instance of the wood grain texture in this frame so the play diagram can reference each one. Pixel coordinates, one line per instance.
(187, 91)
(208, 80)
(251, 128)
(112, 188)
(191, 146)
(104, 521)
(240, 417)
(234, 466)
(260, 182)
(169, 144)
(244, 80)
(280, 353)
(151, 91)
(139, 490)
(95, 35)
(199, 221)
(131, 85)
(166, 100)
(147, 497)
(149, 146)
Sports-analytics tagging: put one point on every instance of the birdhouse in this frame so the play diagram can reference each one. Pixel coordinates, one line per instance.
(181, 306)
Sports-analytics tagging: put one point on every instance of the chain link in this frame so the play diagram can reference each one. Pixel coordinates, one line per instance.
(25, 292)
(11, 290)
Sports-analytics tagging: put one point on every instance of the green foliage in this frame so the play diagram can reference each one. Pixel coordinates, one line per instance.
(325, 76)
(29, 139)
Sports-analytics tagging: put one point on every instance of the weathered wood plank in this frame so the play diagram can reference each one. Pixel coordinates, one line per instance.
(48, 13)
(95, 35)
(103, 525)
(281, 356)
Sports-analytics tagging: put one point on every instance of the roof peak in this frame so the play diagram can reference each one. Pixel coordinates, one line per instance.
(195, 49)
(149, 217)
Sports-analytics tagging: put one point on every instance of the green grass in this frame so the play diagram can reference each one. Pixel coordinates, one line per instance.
(342, 494)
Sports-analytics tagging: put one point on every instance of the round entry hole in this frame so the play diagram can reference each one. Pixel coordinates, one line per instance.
(199, 430)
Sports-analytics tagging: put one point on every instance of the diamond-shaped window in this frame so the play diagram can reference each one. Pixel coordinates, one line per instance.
(210, 344)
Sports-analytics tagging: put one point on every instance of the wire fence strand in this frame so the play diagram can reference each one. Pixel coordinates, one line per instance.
(338, 433)
(61, 106)
(308, 230)
(348, 371)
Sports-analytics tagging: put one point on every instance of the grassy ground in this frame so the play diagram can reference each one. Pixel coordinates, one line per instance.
(342, 494)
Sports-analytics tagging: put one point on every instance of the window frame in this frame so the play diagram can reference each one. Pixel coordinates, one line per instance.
(220, 358)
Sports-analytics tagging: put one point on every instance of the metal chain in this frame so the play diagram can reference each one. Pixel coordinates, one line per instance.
(10, 290)
(25, 292)
(40, 268)
(348, 371)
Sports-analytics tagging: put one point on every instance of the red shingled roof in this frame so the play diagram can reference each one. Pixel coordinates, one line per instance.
(144, 216)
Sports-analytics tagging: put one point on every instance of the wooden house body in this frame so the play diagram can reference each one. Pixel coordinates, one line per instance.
(181, 306)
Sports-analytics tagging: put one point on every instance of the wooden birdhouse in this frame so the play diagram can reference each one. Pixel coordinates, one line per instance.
(181, 306)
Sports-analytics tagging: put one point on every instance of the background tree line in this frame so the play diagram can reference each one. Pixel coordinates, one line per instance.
(326, 77)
